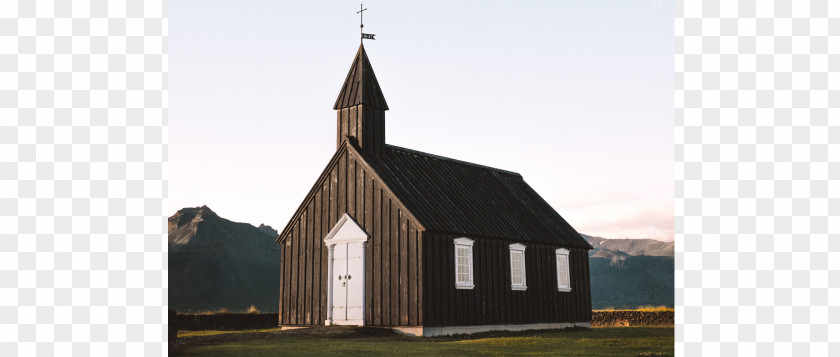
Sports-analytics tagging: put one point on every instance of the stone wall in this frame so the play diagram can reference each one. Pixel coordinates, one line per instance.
(619, 318)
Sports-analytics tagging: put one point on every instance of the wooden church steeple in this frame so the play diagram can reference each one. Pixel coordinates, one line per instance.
(361, 107)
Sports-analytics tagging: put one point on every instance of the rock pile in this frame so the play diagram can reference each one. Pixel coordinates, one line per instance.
(619, 318)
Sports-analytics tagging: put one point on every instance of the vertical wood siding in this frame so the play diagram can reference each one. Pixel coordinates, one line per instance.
(393, 265)
(364, 123)
(492, 301)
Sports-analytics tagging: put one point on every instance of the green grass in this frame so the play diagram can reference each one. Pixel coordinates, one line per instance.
(609, 341)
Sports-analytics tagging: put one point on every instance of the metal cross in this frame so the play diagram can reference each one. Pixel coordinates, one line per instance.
(361, 17)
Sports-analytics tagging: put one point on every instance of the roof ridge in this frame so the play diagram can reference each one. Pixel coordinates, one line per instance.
(467, 163)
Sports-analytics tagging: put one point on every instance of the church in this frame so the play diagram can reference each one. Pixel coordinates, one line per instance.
(424, 244)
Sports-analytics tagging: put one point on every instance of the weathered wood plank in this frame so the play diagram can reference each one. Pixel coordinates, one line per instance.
(451, 305)
(533, 281)
(370, 249)
(393, 236)
(381, 121)
(295, 273)
(421, 276)
(508, 293)
(427, 291)
(386, 261)
(351, 186)
(353, 122)
(345, 130)
(493, 283)
(368, 221)
(342, 186)
(486, 290)
(332, 207)
(359, 182)
(404, 278)
(539, 271)
(377, 267)
(338, 132)
(325, 228)
(316, 255)
(438, 269)
(413, 279)
(307, 268)
(301, 313)
(284, 289)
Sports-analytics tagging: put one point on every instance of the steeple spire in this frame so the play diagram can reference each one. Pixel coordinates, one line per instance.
(361, 107)
(361, 86)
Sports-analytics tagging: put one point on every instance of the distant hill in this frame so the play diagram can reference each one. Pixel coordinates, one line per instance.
(216, 263)
(627, 273)
(604, 248)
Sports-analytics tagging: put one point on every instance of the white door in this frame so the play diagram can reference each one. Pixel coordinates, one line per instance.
(346, 294)
(348, 284)
(355, 282)
(339, 283)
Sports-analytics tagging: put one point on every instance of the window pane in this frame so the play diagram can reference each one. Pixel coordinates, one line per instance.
(517, 268)
(463, 256)
(563, 271)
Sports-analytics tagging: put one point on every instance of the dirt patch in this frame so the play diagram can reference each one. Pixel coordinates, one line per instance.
(620, 318)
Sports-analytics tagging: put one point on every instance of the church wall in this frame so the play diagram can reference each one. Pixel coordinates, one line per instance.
(491, 301)
(393, 259)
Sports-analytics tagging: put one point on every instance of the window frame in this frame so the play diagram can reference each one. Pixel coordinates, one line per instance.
(557, 254)
(518, 249)
(467, 243)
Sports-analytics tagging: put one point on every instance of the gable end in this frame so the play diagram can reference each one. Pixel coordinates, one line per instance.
(346, 148)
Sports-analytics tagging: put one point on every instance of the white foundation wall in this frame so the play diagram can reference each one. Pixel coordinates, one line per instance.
(456, 330)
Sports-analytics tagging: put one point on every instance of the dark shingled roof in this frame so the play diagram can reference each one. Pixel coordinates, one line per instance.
(448, 195)
(361, 86)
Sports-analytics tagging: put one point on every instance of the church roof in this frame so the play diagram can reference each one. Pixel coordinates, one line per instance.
(453, 196)
(361, 86)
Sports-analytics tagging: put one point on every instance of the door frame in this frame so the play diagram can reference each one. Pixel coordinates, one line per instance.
(344, 233)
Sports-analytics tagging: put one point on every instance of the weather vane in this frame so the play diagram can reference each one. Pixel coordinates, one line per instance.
(368, 36)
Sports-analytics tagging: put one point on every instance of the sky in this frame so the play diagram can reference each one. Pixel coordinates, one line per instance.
(577, 96)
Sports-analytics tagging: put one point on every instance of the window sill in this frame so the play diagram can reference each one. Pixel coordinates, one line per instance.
(564, 290)
(519, 288)
(464, 286)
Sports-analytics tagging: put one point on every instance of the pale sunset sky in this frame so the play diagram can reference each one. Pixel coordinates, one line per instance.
(577, 96)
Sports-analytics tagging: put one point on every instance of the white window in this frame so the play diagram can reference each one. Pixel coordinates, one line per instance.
(463, 263)
(563, 281)
(517, 267)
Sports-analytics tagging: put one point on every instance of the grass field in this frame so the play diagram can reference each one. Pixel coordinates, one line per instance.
(347, 341)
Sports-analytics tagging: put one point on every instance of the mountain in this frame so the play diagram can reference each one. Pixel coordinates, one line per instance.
(605, 248)
(268, 230)
(627, 273)
(216, 263)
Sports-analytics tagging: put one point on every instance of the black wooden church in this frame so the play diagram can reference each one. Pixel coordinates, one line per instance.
(425, 244)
